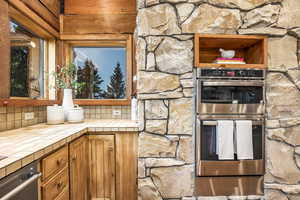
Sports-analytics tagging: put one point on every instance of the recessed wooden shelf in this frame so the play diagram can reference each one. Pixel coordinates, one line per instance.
(252, 48)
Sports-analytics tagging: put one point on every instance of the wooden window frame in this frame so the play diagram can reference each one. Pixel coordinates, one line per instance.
(18, 11)
(103, 40)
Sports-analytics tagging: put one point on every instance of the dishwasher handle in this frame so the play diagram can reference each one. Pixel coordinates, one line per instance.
(21, 187)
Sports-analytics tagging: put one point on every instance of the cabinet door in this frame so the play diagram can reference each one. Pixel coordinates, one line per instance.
(126, 166)
(79, 169)
(102, 167)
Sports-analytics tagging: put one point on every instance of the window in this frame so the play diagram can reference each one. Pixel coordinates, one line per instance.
(102, 70)
(29, 69)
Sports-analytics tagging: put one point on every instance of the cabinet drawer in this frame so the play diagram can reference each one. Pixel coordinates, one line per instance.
(55, 162)
(56, 185)
(64, 195)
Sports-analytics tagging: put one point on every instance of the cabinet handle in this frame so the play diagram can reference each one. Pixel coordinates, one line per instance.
(59, 162)
(74, 158)
(60, 185)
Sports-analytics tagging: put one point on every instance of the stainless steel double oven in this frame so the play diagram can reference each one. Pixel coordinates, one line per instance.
(229, 94)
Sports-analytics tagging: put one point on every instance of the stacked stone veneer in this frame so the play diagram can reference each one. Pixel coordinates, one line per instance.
(164, 40)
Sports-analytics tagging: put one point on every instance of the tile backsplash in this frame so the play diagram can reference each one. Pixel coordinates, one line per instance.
(14, 117)
(107, 112)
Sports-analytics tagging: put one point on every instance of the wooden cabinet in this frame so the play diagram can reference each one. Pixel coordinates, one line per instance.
(92, 167)
(126, 166)
(78, 169)
(102, 167)
(113, 166)
(56, 186)
(55, 179)
(55, 163)
(64, 195)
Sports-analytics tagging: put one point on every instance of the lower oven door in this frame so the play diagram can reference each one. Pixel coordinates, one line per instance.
(230, 97)
(208, 163)
(21, 185)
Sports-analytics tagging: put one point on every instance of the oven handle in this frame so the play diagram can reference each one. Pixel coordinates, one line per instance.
(233, 83)
(214, 123)
(21, 187)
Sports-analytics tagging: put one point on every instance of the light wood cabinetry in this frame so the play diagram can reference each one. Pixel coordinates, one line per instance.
(56, 186)
(55, 163)
(113, 166)
(102, 167)
(78, 169)
(126, 166)
(64, 195)
(92, 167)
(55, 169)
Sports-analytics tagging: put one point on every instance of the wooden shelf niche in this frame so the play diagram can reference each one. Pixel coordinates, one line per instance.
(250, 47)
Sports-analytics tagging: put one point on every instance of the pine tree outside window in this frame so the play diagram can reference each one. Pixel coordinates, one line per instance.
(105, 69)
(102, 70)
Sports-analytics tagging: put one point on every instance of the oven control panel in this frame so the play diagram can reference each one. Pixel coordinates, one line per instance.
(232, 73)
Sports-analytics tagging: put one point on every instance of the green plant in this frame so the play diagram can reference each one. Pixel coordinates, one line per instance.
(65, 78)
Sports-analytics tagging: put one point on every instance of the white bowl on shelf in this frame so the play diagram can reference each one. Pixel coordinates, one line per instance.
(227, 53)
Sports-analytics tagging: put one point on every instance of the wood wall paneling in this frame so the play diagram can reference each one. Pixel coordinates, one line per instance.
(102, 23)
(102, 167)
(53, 6)
(4, 51)
(44, 12)
(33, 16)
(99, 6)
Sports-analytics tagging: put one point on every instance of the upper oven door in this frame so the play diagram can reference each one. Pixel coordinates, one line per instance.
(230, 97)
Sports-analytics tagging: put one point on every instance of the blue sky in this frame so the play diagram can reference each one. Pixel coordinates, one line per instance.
(104, 58)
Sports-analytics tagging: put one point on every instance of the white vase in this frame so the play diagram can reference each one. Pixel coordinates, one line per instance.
(67, 102)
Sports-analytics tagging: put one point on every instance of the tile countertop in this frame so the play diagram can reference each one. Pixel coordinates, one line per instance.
(25, 145)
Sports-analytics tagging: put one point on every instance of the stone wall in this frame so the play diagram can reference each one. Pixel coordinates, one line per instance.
(164, 39)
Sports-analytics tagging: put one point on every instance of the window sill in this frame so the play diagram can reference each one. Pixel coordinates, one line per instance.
(26, 102)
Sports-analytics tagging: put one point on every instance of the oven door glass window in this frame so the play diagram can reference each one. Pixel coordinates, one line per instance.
(228, 94)
(208, 142)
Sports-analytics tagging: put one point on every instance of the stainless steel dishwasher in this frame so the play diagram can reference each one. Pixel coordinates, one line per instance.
(21, 185)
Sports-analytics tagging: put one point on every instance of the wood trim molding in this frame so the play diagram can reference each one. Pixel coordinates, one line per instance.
(102, 102)
(94, 37)
(4, 50)
(26, 102)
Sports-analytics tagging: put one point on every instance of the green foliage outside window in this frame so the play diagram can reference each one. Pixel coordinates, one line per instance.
(19, 71)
